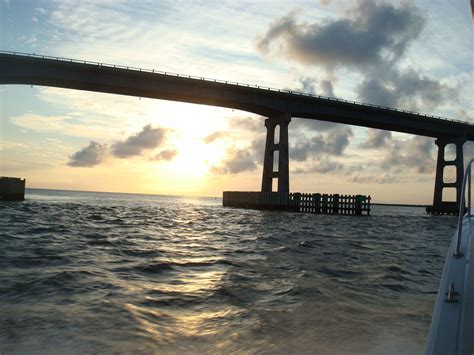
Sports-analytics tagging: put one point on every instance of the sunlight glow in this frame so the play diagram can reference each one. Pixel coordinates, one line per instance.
(196, 158)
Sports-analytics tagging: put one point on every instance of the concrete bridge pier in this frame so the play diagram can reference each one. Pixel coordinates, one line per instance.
(439, 205)
(276, 143)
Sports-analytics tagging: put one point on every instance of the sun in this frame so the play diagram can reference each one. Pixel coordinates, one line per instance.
(196, 158)
(188, 126)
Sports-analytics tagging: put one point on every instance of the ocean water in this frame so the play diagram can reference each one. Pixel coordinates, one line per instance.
(121, 273)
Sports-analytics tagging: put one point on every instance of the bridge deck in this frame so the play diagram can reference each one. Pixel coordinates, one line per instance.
(99, 77)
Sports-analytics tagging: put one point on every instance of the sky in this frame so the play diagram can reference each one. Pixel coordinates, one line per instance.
(415, 55)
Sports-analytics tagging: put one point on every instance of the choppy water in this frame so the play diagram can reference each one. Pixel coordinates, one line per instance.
(102, 273)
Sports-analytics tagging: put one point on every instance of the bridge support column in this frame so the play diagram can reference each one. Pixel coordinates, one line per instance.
(272, 145)
(440, 206)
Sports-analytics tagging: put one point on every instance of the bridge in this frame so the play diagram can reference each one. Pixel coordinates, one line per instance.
(278, 105)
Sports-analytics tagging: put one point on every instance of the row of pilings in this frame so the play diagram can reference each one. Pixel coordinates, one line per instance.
(299, 202)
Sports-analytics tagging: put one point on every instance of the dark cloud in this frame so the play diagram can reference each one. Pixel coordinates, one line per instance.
(94, 154)
(375, 33)
(376, 138)
(147, 138)
(337, 141)
(308, 85)
(258, 148)
(374, 179)
(408, 89)
(167, 155)
(327, 88)
(332, 143)
(415, 153)
(412, 85)
(303, 149)
(371, 38)
(303, 124)
(238, 162)
(213, 136)
(374, 91)
(323, 167)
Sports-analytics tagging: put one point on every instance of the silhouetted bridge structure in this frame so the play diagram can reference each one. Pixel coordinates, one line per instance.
(278, 105)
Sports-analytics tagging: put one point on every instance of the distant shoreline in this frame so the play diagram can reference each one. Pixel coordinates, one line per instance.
(214, 197)
(118, 192)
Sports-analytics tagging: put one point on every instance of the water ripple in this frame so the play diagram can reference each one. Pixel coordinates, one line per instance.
(90, 272)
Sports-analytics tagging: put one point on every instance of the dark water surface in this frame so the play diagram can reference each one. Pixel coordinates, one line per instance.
(98, 272)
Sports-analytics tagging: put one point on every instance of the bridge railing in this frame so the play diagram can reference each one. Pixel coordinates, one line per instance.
(293, 92)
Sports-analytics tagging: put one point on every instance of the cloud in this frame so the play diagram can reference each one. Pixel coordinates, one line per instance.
(94, 154)
(327, 88)
(374, 34)
(373, 179)
(213, 136)
(167, 155)
(41, 123)
(91, 115)
(308, 85)
(239, 161)
(337, 141)
(304, 124)
(371, 38)
(408, 89)
(415, 153)
(465, 116)
(39, 11)
(323, 167)
(248, 123)
(244, 159)
(376, 138)
(147, 138)
(333, 143)
(374, 91)
(258, 147)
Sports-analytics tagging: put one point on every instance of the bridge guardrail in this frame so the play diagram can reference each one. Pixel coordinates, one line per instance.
(153, 71)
